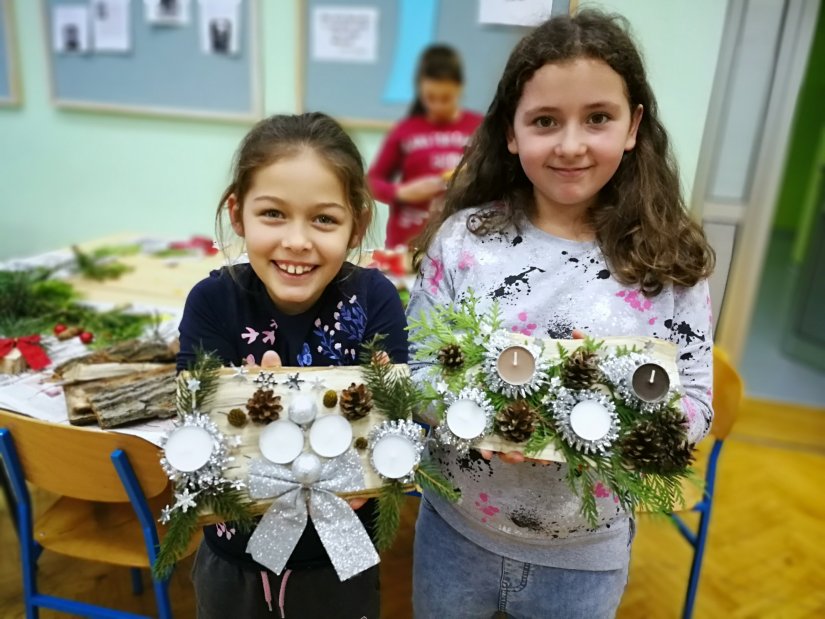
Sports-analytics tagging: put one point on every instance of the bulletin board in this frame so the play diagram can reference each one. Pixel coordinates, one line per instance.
(9, 83)
(165, 71)
(377, 93)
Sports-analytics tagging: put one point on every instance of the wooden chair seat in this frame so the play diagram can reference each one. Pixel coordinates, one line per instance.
(97, 531)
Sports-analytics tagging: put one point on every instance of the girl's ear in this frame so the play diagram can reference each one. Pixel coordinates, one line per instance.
(235, 214)
(635, 121)
(359, 229)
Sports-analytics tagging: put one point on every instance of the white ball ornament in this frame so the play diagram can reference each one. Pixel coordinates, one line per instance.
(302, 408)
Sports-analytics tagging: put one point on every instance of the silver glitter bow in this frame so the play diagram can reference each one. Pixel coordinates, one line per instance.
(342, 533)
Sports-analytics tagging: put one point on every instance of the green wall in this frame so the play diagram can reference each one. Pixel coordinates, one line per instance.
(809, 123)
(68, 176)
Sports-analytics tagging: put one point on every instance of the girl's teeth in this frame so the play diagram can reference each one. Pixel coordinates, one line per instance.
(293, 269)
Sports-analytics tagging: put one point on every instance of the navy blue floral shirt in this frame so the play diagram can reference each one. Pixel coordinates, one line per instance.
(232, 315)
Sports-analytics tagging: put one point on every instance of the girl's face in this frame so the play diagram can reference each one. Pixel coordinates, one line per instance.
(570, 130)
(298, 229)
(440, 98)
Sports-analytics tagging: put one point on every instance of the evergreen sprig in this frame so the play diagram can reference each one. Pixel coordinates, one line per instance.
(428, 476)
(205, 369)
(393, 391)
(100, 264)
(388, 513)
(172, 546)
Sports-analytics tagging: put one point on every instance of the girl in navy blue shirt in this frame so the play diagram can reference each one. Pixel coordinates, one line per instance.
(299, 201)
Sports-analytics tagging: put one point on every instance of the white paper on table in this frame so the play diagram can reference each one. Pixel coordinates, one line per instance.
(70, 29)
(344, 34)
(166, 12)
(220, 24)
(111, 25)
(514, 12)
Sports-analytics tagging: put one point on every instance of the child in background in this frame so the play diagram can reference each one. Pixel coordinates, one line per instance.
(567, 211)
(418, 155)
(299, 200)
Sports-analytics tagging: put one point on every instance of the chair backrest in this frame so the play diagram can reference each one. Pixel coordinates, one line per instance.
(76, 462)
(728, 390)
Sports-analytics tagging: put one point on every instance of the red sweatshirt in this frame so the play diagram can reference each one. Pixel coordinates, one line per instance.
(415, 148)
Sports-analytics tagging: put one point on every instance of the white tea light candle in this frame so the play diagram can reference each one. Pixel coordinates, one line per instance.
(281, 441)
(330, 436)
(590, 420)
(466, 419)
(394, 457)
(188, 448)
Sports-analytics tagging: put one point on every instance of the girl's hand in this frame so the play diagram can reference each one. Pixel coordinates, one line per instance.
(421, 189)
(357, 503)
(510, 457)
(270, 360)
(579, 335)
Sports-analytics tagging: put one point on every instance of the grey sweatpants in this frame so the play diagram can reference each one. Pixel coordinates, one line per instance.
(224, 590)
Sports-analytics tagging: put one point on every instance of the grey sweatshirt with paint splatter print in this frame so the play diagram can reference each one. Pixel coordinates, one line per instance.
(546, 287)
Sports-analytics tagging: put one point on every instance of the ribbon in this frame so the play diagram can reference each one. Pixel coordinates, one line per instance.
(201, 243)
(342, 533)
(29, 347)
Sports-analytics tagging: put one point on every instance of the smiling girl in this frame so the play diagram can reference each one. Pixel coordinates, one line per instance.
(299, 201)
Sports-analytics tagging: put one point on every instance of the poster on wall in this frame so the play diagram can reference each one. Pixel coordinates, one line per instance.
(70, 29)
(167, 12)
(220, 26)
(111, 31)
(344, 34)
(514, 12)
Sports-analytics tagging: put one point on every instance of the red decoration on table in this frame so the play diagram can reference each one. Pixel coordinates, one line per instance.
(390, 261)
(86, 337)
(29, 347)
(59, 328)
(202, 243)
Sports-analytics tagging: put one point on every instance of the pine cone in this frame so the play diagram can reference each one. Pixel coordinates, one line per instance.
(581, 370)
(451, 356)
(237, 418)
(264, 406)
(361, 443)
(659, 444)
(355, 401)
(517, 421)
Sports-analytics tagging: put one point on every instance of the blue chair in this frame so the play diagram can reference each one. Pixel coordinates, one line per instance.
(728, 390)
(110, 489)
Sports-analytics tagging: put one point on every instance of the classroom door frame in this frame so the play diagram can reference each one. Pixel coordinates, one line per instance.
(739, 229)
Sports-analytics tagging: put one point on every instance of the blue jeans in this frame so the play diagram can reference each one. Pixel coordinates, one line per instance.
(457, 579)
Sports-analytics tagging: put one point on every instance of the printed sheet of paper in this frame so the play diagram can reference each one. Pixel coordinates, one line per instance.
(220, 27)
(167, 12)
(344, 34)
(70, 29)
(111, 26)
(514, 12)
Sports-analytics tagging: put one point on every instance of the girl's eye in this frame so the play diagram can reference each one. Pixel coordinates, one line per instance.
(326, 220)
(272, 214)
(544, 122)
(599, 119)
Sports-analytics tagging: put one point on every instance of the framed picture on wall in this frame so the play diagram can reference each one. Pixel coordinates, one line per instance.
(10, 94)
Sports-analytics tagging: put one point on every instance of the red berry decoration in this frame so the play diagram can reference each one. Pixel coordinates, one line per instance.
(86, 337)
(59, 328)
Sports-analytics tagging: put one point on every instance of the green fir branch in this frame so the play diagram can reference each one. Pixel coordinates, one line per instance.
(100, 264)
(182, 526)
(393, 391)
(205, 369)
(428, 476)
(388, 514)
(231, 506)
